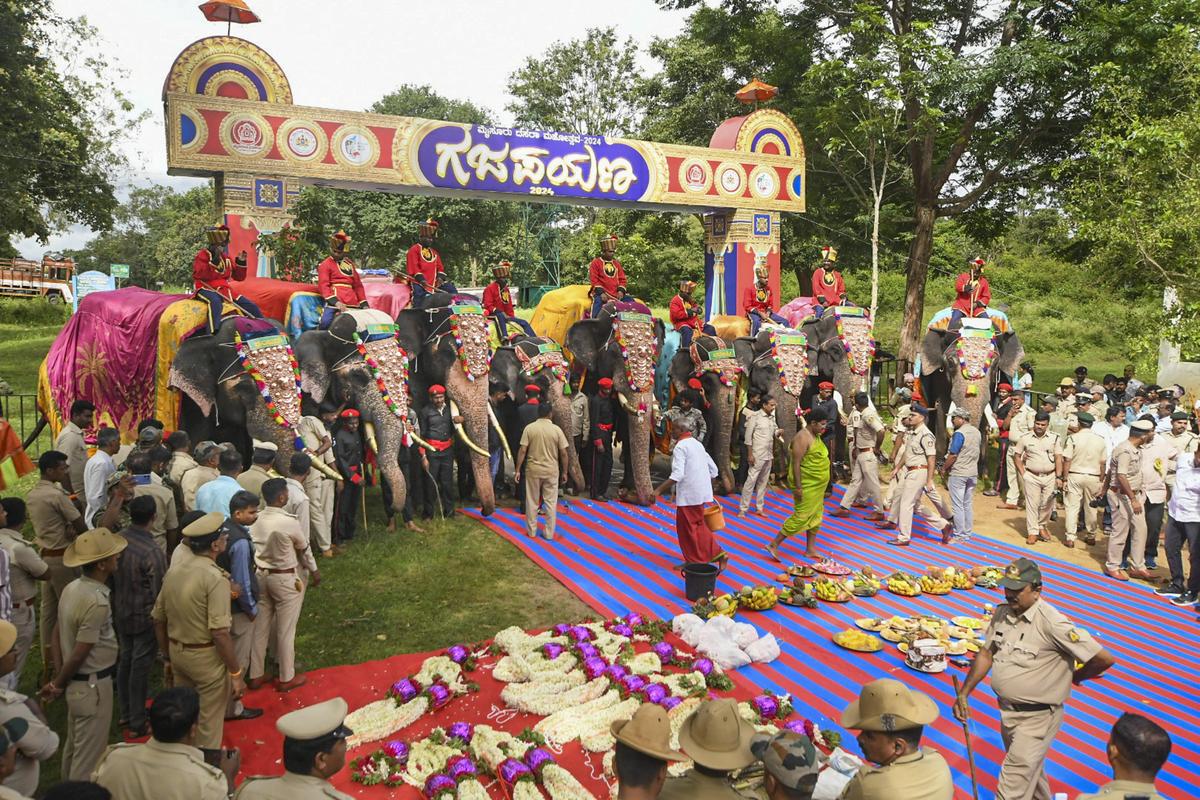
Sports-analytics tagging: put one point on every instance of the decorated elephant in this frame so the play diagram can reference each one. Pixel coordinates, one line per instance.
(623, 344)
(239, 384)
(359, 361)
(776, 362)
(449, 338)
(718, 372)
(538, 360)
(964, 366)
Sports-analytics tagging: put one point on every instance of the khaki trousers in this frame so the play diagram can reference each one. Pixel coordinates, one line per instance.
(1039, 501)
(1081, 491)
(1014, 481)
(89, 716)
(911, 492)
(864, 481)
(203, 670)
(895, 490)
(1127, 525)
(758, 478)
(241, 631)
(320, 504)
(544, 491)
(25, 621)
(52, 589)
(1027, 737)
(278, 612)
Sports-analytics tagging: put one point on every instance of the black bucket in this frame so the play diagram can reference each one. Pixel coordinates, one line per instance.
(699, 579)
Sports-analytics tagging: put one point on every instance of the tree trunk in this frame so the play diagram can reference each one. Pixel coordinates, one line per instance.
(914, 289)
(875, 251)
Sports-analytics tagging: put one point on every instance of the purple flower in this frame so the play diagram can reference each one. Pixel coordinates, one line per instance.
(581, 634)
(670, 702)
(464, 731)
(703, 666)
(537, 758)
(458, 654)
(621, 629)
(398, 750)
(439, 694)
(796, 726)
(439, 784)
(617, 672)
(587, 650)
(656, 693)
(766, 705)
(405, 689)
(562, 629)
(461, 768)
(511, 771)
(634, 619)
(594, 668)
(552, 650)
(665, 652)
(633, 683)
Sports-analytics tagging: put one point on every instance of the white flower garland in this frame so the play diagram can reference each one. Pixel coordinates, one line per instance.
(491, 747)
(562, 785)
(438, 666)
(425, 757)
(514, 640)
(675, 682)
(472, 789)
(595, 734)
(563, 726)
(383, 718)
(644, 664)
(545, 701)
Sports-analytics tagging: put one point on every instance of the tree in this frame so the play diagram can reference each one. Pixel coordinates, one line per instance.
(586, 85)
(62, 118)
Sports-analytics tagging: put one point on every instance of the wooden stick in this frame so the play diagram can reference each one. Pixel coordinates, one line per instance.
(970, 753)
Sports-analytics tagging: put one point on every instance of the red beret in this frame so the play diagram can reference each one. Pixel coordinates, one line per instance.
(532, 388)
(1005, 386)
(350, 412)
(824, 385)
(694, 383)
(606, 383)
(437, 388)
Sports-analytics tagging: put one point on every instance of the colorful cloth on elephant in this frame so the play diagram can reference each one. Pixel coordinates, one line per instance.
(812, 474)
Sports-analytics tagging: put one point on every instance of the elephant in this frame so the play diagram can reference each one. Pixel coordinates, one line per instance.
(761, 357)
(436, 335)
(623, 345)
(718, 373)
(538, 360)
(220, 399)
(964, 366)
(332, 367)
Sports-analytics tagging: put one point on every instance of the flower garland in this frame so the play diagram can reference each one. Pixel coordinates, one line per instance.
(639, 348)
(766, 707)
(260, 382)
(397, 408)
(724, 364)
(469, 328)
(860, 334)
(384, 766)
(501, 752)
(408, 699)
(969, 362)
(544, 698)
(558, 783)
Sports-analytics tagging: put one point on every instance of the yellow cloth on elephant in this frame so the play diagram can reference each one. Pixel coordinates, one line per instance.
(729, 327)
(812, 473)
(180, 319)
(559, 310)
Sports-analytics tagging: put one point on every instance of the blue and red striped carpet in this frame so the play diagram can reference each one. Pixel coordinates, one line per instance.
(618, 557)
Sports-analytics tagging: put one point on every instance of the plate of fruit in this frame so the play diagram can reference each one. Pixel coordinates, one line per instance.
(864, 583)
(872, 624)
(757, 598)
(707, 607)
(936, 582)
(858, 641)
(833, 591)
(803, 596)
(828, 566)
(903, 584)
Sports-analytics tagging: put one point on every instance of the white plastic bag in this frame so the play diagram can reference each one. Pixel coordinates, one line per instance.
(744, 634)
(727, 656)
(833, 778)
(721, 624)
(765, 649)
(682, 624)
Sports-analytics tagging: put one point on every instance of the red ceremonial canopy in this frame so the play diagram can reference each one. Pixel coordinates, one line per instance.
(229, 11)
(756, 92)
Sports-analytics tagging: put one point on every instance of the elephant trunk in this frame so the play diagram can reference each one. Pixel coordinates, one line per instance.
(389, 437)
(972, 395)
(260, 425)
(471, 398)
(639, 409)
(785, 415)
(561, 414)
(722, 400)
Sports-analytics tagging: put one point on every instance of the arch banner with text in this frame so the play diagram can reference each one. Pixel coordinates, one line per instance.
(229, 115)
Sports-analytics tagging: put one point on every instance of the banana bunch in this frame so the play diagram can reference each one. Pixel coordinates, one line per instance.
(960, 579)
(832, 591)
(854, 639)
(864, 584)
(903, 584)
(721, 605)
(757, 598)
(931, 584)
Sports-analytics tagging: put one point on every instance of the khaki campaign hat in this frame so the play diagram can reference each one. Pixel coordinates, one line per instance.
(8, 636)
(791, 758)
(92, 546)
(209, 524)
(1020, 574)
(259, 444)
(316, 721)
(1142, 426)
(648, 732)
(1067, 382)
(888, 705)
(717, 737)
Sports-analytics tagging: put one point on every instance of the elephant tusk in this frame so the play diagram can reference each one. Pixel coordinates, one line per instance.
(500, 432)
(624, 401)
(369, 435)
(320, 466)
(462, 434)
(422, 442)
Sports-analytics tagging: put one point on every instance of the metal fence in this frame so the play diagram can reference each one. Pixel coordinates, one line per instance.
(22, 414)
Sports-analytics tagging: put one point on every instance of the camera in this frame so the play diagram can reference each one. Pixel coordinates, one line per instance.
(1099, 502)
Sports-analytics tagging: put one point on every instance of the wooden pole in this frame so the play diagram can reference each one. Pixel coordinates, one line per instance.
(970, 753)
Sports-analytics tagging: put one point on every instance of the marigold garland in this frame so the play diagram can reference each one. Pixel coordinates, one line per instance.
(260, 382)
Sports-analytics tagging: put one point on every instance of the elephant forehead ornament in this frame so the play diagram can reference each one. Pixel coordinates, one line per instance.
(856, 330)
(470, 329)
(790, 353)
(975, 350)
(536, 356)
(378, 348)
(268, 359)
(634, 334)
(724, 363)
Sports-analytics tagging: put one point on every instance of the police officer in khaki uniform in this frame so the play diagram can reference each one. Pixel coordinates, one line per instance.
(147, 484)
(1137, 749)
(88, 649)
(1031, 649)
(70, 443)
(37, 742)
(866, 431)
(261, 459)
(168, 766)
(281, 552)
(319, 486)
(207, 455)
(889, 717)
(892, 492)
(717, 739)
(1127, 501)
(26, 570)
(1038, 458)
(1019, 422)
(920, 452)
(191, 622)
(1084, 464)
(314, 750)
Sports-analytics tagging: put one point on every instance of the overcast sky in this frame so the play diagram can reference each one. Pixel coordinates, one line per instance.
(348, 54)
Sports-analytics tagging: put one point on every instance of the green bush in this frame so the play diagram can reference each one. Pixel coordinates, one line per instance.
(21, 311)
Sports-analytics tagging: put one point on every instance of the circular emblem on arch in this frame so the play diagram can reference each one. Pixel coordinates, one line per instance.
(795, 184)
(226, 66)
(301, 140)
(695, 175)
(245, 134)
(355, 146)
(764, 183)
(731, 179)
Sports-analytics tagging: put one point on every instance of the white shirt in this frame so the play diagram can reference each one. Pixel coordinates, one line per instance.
(1184, 505)
(297, 503)
(692, 469)
(95, 476)
(1162, 424)
(1114, 436)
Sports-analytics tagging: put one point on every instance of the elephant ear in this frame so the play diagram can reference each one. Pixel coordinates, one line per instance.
(315, 378)
(410, 328)
(586, 340)
(1010, 354)
(933, 352)
(743, 348)
(194, 372)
